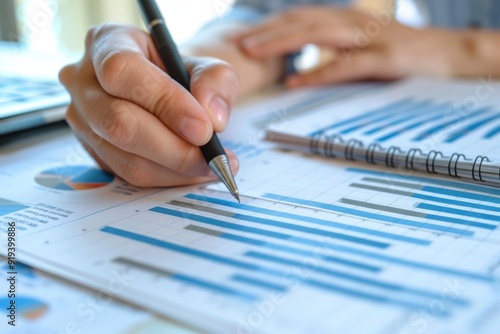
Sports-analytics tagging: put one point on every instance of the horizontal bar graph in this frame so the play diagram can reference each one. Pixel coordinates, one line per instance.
(250, 267)
(470, 127)
(284, 248)
(422, 265)
(348, 276)
(218, 288)
(308, 219)
(435, 217)
(370, 215)
(425, 197)
(458, 119)
(297, 227)
(409, 115)
(438, 190)
(373, 114)
(440, 182)
(421, 119)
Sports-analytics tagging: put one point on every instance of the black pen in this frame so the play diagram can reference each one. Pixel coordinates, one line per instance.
(213, 152)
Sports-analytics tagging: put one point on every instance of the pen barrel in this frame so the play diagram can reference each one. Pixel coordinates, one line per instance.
(212, 149)
(164, 43)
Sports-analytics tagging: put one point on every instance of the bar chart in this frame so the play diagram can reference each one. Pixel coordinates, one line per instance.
(385, 243)
(274, 243)
(418, 120)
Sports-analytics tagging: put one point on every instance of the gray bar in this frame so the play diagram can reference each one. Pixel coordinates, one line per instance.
(202, 208)
(386, 190)
(394, 183)
(143, 266)
(383, 208)
(203, 230)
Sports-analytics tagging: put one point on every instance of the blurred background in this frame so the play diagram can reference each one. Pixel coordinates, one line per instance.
(48, 25)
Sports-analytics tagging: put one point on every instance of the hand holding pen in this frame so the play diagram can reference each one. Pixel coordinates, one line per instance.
(135, 120)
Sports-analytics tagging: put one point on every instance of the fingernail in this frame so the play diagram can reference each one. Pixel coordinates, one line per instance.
(195, 130)
(220, 111)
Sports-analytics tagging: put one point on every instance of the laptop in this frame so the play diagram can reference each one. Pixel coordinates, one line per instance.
(30, 93)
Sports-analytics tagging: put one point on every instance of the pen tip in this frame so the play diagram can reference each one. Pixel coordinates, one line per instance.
(237, 196)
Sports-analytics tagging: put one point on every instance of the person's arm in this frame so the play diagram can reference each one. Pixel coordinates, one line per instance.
(369, 48)
(215, 41)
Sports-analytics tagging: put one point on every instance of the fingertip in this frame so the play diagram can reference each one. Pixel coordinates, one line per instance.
(196, 131)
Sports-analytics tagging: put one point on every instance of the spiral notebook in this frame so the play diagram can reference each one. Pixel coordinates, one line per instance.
(430, 125)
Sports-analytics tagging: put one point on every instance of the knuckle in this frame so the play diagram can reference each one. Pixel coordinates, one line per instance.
(164, 105)
(119, 126)
(97, 31)
(65, 75)
(112, 67)
(219, 71)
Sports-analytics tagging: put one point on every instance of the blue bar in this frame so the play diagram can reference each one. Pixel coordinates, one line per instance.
(230, 262)
(268, 222)
(311, 230)
(436, 199)
(467, 213)
(214, 287)
(414, 264)
(409, 115)
(454, 184)
(299, 251)
(184, 250)
(407, 128)
(8, 209)
(369, 296)
(221, 223)
(370, 215)
(7, 206)
(350, 277)
(258, 282)
(389, 109)
(461, 194)
(359, 252)
(383, 117)
(457, 202)
(492, 133)
(322, 222)
(457, 220)
(438, 128)
(469, 128)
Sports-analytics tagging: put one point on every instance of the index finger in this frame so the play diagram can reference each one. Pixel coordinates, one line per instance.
(128, 66)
